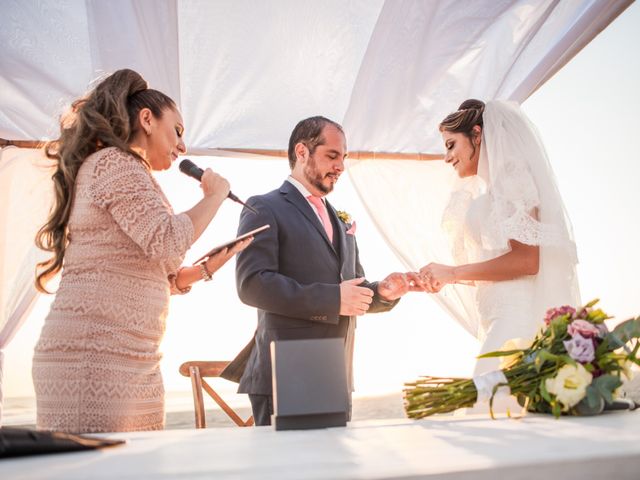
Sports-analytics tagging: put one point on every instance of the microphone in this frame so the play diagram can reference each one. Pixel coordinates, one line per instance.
(191, 169)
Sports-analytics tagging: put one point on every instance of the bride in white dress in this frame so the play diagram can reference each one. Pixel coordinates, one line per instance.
(509, 230)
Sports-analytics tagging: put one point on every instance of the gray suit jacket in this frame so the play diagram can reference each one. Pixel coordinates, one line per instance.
(291, 273)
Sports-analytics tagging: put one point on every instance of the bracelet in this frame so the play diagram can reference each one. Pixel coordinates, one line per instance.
(204, 272)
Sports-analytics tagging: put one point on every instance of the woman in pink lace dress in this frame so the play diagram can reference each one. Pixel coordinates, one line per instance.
(96, 366)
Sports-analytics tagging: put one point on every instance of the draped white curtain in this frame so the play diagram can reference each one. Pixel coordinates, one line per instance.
(441, 55)
(245, 72)
(25, 198)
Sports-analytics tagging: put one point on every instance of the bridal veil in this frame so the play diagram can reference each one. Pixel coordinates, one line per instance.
(523, 203)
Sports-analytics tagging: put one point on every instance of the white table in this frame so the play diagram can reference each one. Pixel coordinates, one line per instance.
(537, 446)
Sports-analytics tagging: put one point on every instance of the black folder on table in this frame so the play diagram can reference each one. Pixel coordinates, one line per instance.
(18, 442)
(309, 384)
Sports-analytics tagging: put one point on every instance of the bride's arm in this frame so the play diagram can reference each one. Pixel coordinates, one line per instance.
(520, 261)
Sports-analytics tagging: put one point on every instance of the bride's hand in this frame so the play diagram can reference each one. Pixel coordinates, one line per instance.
(437, 276)
(419, 283)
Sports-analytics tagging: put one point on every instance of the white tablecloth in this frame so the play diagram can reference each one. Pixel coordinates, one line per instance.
(537, 446)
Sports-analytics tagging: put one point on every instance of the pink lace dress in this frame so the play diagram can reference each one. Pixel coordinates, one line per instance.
(96, 366)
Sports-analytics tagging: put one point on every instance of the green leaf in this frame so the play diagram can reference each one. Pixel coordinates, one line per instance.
(592, 397)
(543, 356)
(591, 404)
(609, 342)
(567, 359)
(624, 332)
(556, 408)
(559, 326)
(499, 353)
(597, 316)
(591, 303)
(605, 385)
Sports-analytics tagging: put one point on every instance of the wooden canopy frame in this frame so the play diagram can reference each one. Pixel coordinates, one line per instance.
(356, 155)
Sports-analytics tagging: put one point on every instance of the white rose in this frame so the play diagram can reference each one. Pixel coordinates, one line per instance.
(513, 344)
(569, 385)
(628, 369)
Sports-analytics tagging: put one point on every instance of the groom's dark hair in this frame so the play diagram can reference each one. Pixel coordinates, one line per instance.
(309, 133)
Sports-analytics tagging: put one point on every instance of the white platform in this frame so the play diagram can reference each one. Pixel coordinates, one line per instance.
(540, 447)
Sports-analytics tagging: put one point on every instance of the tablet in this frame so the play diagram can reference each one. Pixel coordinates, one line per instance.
(215, 250)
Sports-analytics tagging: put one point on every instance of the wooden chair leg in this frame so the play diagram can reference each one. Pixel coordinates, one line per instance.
(227, 409)
(196, 371)
(198, 401)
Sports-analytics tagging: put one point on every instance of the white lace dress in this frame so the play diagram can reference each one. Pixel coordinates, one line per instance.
(506, 308)
(488, 210)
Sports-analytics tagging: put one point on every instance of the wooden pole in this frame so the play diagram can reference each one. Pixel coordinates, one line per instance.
(22, 143)
(356, 155)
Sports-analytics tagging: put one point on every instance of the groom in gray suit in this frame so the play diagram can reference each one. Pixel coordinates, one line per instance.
(303, 274)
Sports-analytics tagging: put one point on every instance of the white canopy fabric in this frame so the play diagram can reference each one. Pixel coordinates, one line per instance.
(487, 50)
(25, 195)
(244, 72)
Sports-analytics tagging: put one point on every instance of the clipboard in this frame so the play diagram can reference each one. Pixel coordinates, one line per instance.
(19, 442)
(215, 250)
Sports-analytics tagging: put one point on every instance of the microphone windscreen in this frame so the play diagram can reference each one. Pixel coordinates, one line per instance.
(189, 168)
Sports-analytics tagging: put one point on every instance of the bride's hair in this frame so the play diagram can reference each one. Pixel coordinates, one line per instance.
(469, 115)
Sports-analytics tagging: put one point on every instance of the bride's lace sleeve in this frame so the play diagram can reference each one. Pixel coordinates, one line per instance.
(123, 186)
(519, 181)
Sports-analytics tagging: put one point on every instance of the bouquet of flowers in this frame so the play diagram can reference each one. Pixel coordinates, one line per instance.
(573, 366)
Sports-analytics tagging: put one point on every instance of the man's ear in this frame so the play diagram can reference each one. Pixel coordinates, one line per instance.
(302, 152)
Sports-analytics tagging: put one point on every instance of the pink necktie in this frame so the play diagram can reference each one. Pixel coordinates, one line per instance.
(324, 216)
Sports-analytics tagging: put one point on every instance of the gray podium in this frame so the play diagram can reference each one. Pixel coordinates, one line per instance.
(309, 384)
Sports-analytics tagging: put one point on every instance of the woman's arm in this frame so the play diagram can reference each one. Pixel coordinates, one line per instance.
(215, 190)
(520, 261)
(187, 276)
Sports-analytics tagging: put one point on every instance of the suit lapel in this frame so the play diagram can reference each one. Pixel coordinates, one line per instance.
(293, 195)
(340, 230)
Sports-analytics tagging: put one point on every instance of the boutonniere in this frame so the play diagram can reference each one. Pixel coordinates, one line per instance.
(344, 216)
(350, 222)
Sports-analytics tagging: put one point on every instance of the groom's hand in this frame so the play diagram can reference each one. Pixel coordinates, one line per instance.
(354, 300)
(394, 286)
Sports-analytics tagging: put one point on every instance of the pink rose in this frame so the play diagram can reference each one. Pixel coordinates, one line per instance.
(584, 328)
(581, 349)
(558, 312)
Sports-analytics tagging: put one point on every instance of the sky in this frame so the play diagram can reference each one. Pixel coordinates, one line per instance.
(587, 115)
